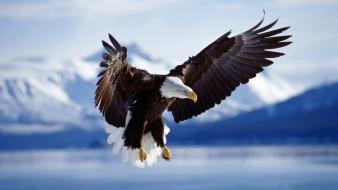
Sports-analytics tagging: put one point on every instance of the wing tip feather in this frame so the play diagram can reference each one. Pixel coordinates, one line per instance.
(108, 47)
(115, 43)
(257, 25)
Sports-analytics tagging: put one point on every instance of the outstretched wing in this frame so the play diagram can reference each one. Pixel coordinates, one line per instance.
(225, 64)
(116, 85)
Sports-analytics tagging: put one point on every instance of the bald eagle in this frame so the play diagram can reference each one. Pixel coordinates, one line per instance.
(133, 100)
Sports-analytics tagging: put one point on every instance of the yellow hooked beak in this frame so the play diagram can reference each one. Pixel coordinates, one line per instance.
(192, 96)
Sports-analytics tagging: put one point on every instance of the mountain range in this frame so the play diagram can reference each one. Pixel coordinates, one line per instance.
(310, 117)
(48, 102)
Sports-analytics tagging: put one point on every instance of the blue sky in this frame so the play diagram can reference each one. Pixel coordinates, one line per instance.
(172, 29)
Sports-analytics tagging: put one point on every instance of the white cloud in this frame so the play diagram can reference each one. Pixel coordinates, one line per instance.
(305, 2)
(55, 8)
(310, 59)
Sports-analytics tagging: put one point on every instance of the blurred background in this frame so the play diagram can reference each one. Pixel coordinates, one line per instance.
(279, 131)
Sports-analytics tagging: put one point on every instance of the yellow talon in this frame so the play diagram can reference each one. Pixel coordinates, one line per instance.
(166, 153)
(142, 155)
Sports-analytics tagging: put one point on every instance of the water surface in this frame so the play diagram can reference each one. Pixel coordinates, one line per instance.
(253, 167)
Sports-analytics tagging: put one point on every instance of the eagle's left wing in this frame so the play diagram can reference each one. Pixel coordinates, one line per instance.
(225, 64)
(117, 84)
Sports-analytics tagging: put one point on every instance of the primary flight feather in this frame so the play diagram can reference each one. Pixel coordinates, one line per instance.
(133, 100)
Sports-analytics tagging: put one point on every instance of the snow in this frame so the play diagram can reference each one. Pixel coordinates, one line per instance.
(32, 91)
(272, 88)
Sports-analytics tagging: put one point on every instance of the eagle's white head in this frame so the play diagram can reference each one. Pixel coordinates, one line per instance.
(173, 87)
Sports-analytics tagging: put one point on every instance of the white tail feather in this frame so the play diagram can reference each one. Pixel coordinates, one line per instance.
(129, 155)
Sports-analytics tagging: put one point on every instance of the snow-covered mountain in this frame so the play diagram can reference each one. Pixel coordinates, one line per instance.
(37, 94)
(45, 95)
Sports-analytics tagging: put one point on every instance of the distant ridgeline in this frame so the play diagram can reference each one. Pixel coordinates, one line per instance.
(311, 117)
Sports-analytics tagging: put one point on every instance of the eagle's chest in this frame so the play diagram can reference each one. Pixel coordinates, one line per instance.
(153, 105)
(157, 107)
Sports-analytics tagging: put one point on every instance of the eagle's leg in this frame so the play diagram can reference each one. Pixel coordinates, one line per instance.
(142, 155)
(166, 154)
(157, 131)
(134, 133)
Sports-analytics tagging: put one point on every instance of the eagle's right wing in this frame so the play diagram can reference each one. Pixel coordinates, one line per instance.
(217, 70)
(117, 83)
